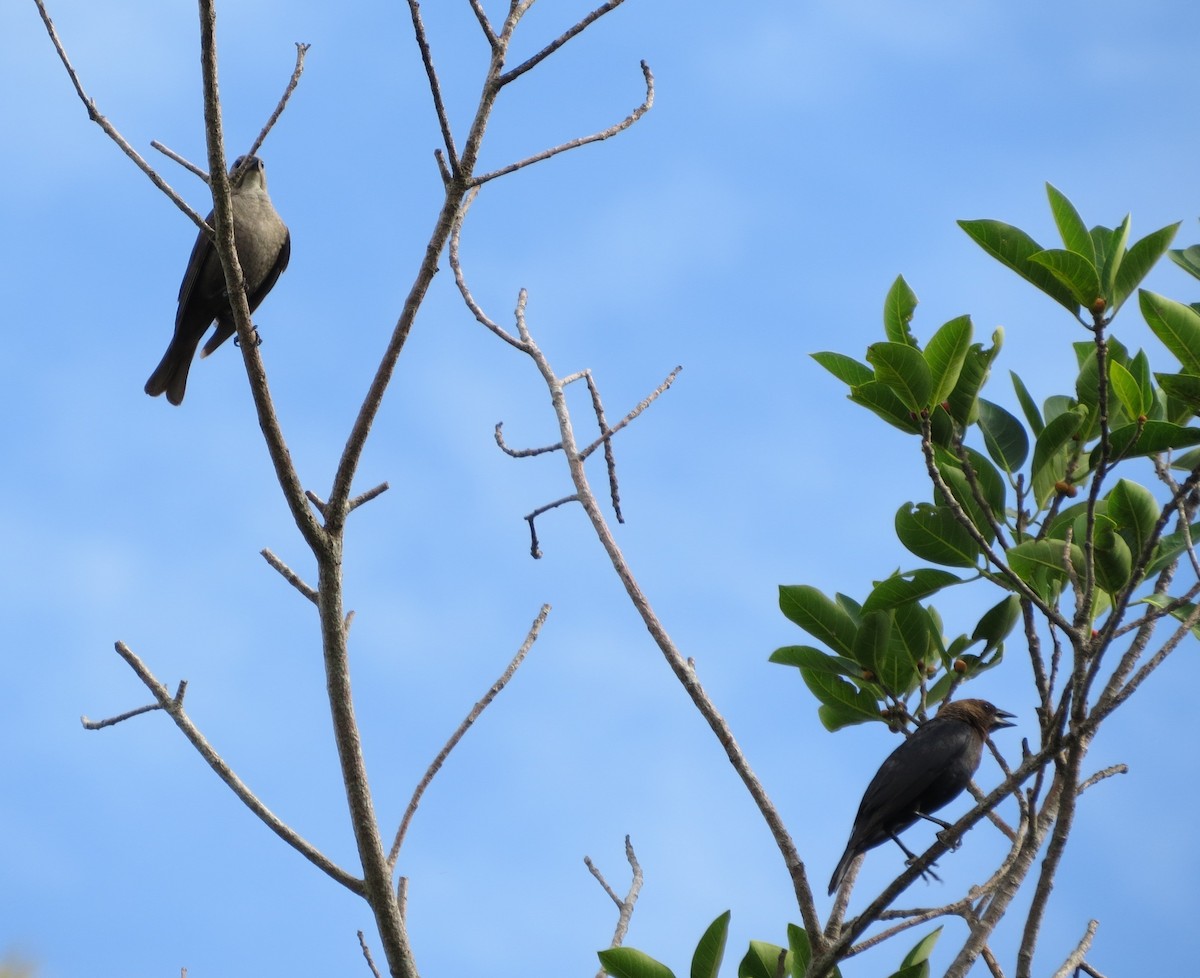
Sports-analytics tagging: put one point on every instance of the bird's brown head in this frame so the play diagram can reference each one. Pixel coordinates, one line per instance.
(249, 173)
(980, 714)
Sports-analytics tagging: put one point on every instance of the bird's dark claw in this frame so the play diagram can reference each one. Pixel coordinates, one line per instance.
(237, 340)
(927, 873)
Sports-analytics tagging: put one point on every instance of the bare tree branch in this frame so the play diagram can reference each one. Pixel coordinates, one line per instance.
(625, 906)
(471, 717)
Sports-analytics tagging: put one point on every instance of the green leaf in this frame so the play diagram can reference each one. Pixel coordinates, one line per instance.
(626, 962)
(1182, 613)
(997, 622)
(1003, 436)
(1177, 325)
(1134, 510)
(1126, 388)
(1113, 560)
(879, 398)
(1170, 546)
(1110, 254)
(1070, 225)
(910, 586)
(706, 962)
(933, 534)
(974, 375)
(871, 643)
(842, 703)
(960, 488)
(1074, 271)
(904, 371)
(1138, 261)
(1149, 439)
(1182, 387)
(1013, 247)
(762, 961)
(800, 948)
(898, 309)
(820, 617)
(911, 648)
(1188, 259)
(923, 948)
(1053, 448)
(845, 368)
(945, 354)
(1028, 405)
(1034, 558)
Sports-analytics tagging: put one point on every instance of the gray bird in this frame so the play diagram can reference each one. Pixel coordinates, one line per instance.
(263, 246)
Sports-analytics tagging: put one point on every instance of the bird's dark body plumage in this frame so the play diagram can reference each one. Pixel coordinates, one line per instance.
(263, 246)
(929, 770)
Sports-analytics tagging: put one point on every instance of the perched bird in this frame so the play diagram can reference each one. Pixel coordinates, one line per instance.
(263, 246)
(929, 770)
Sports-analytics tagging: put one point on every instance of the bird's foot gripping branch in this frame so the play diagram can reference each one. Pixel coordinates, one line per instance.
(1079, 512)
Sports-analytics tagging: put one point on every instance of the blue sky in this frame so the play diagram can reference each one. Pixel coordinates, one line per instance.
(798, 158)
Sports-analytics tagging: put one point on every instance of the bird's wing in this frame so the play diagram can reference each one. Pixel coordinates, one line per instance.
(201, 251)
(911, 768)
(268, 283)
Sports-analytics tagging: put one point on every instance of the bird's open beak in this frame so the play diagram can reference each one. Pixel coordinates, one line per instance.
(1002, 716)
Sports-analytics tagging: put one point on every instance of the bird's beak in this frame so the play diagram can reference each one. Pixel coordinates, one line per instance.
(1002, 716)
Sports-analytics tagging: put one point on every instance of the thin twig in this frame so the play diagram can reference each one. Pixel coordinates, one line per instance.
(129, 714)
(570, 144)
(558, 42)
(362, 942)
(182, 161)
(521, 452)
(1075, 958)
(110, 129)
(367, 496)
(289, 575)
(624, 907)
(301, 51)
(644, 403)
(535, 550)
(463, 727)
(173, 707)
(435, 86)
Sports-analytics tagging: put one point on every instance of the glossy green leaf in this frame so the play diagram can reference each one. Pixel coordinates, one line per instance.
(1171, 546)
(1028, 405)
(933, 534)
(1182, 387)
(1188, 259)
(1182, 613)
(627, 962)
(945, 354)
(1110, 255)
(845, 368)
(1036, 557)
(975, 369)
(1004, 436)
(870, 645)
(912, 646)
(1113, 559)
(1013, 247)
(882, 401)
(898, 309)
(800, 948)
(1053, 448)
(706, 961)
(997, 622)
(762, 961)
(1149, 439)
(910, 586)
(1121, 382)
(962, 491)
(1074, 271)
(1074, 232)
(1177, 325)
(1138, 261)
(902, 370)
(821, 618)
(922, 949)
(1135, 511)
